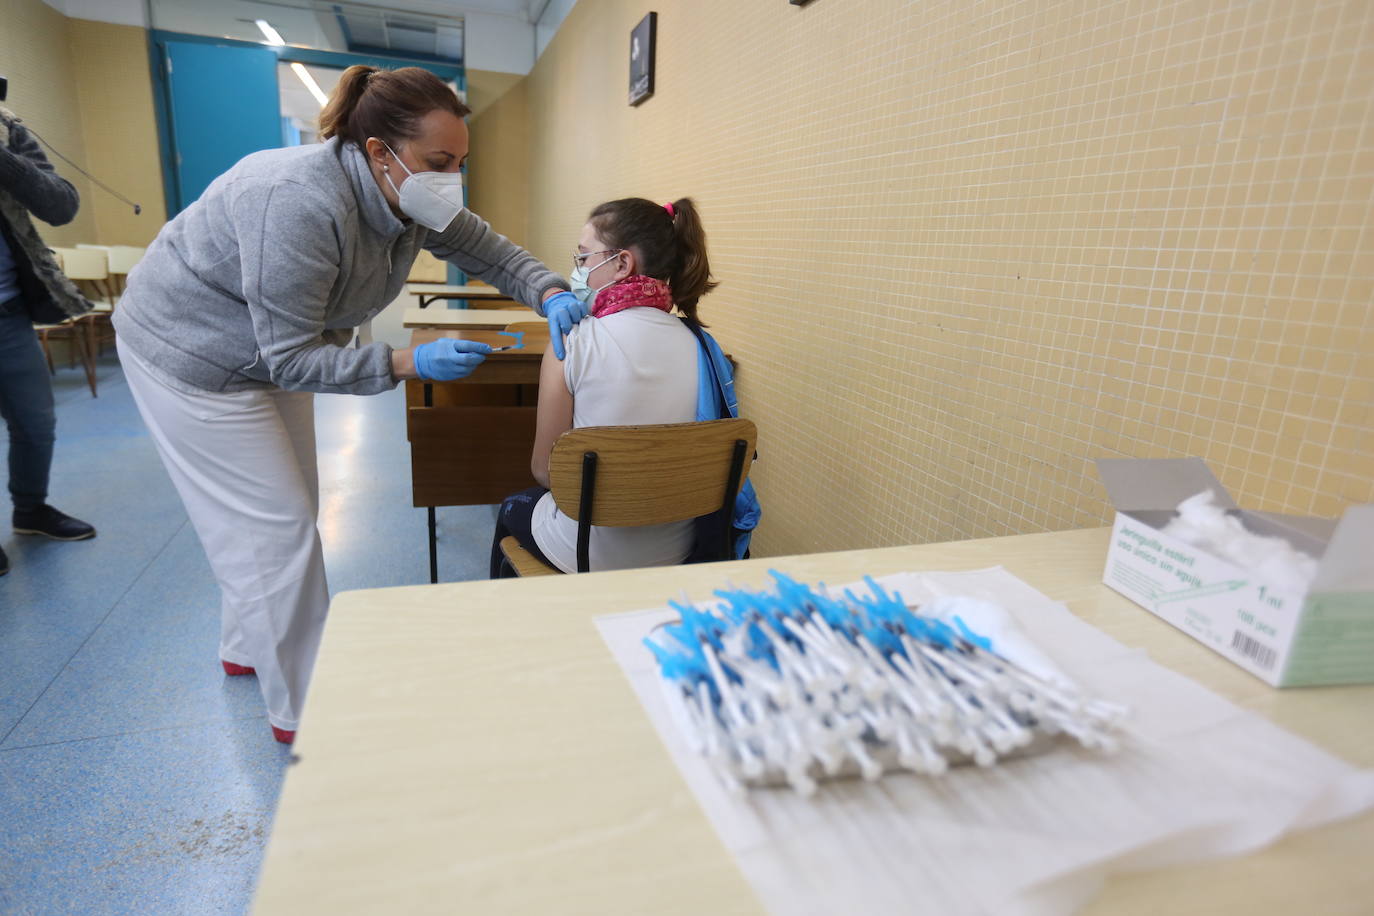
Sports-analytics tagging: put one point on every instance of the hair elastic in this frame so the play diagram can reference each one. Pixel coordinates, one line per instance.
(669, 208)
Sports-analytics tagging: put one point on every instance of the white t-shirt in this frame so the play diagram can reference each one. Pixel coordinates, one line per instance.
(635, 367)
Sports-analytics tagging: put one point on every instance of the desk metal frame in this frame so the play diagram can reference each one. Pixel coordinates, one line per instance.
(427, 297)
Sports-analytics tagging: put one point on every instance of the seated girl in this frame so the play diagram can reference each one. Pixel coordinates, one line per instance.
(631, 363)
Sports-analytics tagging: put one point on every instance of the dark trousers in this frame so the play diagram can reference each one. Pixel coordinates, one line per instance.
(26, 404)
(513, 520)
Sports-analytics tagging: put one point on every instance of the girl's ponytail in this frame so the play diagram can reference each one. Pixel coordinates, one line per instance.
(691, 276)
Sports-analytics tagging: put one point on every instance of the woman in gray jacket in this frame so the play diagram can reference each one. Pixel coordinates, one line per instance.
(241, 309)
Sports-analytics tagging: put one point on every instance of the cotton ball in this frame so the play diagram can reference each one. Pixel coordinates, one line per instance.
(1202, 523)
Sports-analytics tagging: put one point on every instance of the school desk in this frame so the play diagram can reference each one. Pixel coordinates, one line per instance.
(470, 440)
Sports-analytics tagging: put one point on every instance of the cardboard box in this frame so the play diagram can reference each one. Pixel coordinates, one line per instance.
(1286, 638)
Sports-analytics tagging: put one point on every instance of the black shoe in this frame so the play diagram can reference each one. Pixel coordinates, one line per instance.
(47, 521)
(4, 562)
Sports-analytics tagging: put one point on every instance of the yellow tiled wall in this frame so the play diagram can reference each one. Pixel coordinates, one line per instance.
(967, 248)
(115, 90)
(499, 162)
(85, 87)
(36, 57)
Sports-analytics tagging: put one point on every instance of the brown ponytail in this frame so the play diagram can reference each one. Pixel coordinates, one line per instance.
(370, 102)
(670, 246)
(692, 273)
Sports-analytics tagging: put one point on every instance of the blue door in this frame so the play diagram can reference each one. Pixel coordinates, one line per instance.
(224, 105)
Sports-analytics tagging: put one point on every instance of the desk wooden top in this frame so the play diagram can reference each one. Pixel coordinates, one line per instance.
(473, 747)
(534, 344)
(437, 317)
(451, 291)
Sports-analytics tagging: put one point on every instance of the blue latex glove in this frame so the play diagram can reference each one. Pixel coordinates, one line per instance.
(446, 359)
(563, 311)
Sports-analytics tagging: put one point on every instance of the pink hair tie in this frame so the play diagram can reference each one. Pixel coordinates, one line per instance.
(669, 208)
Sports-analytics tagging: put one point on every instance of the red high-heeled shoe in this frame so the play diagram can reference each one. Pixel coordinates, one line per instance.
(234, 670)
(282, 735)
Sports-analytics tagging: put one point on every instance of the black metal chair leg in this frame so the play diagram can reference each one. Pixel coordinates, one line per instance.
(584, 512)
(732, 485)
(433, 548)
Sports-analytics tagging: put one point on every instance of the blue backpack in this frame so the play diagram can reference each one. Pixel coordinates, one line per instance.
(716, 401)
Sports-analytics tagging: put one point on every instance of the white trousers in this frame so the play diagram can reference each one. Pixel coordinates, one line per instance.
(244, 465)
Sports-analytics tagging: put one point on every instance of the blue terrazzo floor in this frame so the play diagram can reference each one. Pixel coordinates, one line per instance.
(134, 776)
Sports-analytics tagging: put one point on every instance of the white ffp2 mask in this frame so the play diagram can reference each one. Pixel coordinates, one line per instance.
(432, 199)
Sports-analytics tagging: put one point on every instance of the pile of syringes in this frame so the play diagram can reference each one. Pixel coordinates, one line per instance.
(797, 685)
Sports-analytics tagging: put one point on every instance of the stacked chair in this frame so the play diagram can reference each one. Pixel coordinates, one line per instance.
(100, 272)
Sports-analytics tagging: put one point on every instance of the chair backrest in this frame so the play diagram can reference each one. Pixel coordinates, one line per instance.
(427, 269)
(122, 258)
(536, 333)
(84, 263)
(651, 475)
(629, 476)
(88, 267)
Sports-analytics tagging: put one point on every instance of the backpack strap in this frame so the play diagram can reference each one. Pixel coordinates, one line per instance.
(704, 341)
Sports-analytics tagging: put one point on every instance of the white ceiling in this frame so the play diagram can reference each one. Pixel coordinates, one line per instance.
(523, 10)
(500, 35)
(316, 24)
(130, 12)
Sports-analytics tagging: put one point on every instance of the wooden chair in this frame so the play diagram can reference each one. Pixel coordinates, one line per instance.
(631, 476)
(83, 266)
(120, 260)
(88, 266)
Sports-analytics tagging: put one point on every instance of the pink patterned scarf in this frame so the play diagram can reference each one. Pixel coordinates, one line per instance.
(637, 291)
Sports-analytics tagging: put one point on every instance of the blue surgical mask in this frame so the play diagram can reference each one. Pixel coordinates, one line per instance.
(578, 279)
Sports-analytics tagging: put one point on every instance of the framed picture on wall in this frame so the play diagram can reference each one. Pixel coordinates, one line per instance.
(642, 58)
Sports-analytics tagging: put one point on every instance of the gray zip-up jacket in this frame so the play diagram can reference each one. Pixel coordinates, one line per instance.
(262, 280)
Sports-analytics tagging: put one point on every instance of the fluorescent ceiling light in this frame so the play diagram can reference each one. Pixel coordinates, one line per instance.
(314, 87)
(273, 36)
